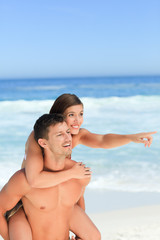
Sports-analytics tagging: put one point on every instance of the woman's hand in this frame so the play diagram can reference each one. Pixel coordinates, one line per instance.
(144, 138)
(79, 170)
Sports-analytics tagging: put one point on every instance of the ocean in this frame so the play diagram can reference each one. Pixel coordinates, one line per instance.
(121, 105)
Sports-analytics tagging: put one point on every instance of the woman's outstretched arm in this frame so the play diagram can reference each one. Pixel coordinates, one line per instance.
(112, 140)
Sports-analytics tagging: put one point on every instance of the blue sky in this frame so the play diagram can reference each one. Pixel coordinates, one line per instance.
(79, 38)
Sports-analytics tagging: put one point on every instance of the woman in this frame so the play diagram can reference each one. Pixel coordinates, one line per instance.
(72, 108)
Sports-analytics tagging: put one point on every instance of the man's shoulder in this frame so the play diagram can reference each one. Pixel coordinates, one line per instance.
(18, 179)
(16, 186)
(20, 174)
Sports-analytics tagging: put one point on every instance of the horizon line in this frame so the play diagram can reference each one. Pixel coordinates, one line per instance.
(80, 77)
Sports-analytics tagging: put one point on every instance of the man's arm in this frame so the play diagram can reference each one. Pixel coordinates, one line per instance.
(34, 165)
(113, 140)
(10, 194)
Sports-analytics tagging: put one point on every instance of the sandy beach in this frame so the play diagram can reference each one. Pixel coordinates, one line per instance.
(142, 223)
(124, 215)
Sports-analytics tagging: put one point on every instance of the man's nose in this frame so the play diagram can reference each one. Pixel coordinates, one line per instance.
(68, 137)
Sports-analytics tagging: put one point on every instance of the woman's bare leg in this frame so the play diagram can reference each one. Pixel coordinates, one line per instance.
(82, 225)
(19, 228)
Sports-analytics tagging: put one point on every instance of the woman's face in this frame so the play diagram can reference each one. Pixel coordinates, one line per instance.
(74, 118)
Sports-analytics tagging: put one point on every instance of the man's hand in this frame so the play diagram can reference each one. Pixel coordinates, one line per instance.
(80, 171)
(144, 138)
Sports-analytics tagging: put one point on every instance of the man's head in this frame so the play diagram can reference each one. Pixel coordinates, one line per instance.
(52, 133)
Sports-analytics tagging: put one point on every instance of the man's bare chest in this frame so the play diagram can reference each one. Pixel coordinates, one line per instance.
(63, 196)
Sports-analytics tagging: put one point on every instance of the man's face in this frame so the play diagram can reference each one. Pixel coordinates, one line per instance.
(59, 139)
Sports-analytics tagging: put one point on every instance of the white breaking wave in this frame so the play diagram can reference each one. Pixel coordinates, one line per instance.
(131, 177)
(134, 103)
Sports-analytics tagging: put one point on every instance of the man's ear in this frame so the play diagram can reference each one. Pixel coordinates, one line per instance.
(42, 142)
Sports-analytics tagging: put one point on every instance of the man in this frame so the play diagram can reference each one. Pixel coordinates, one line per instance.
(49, 210)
